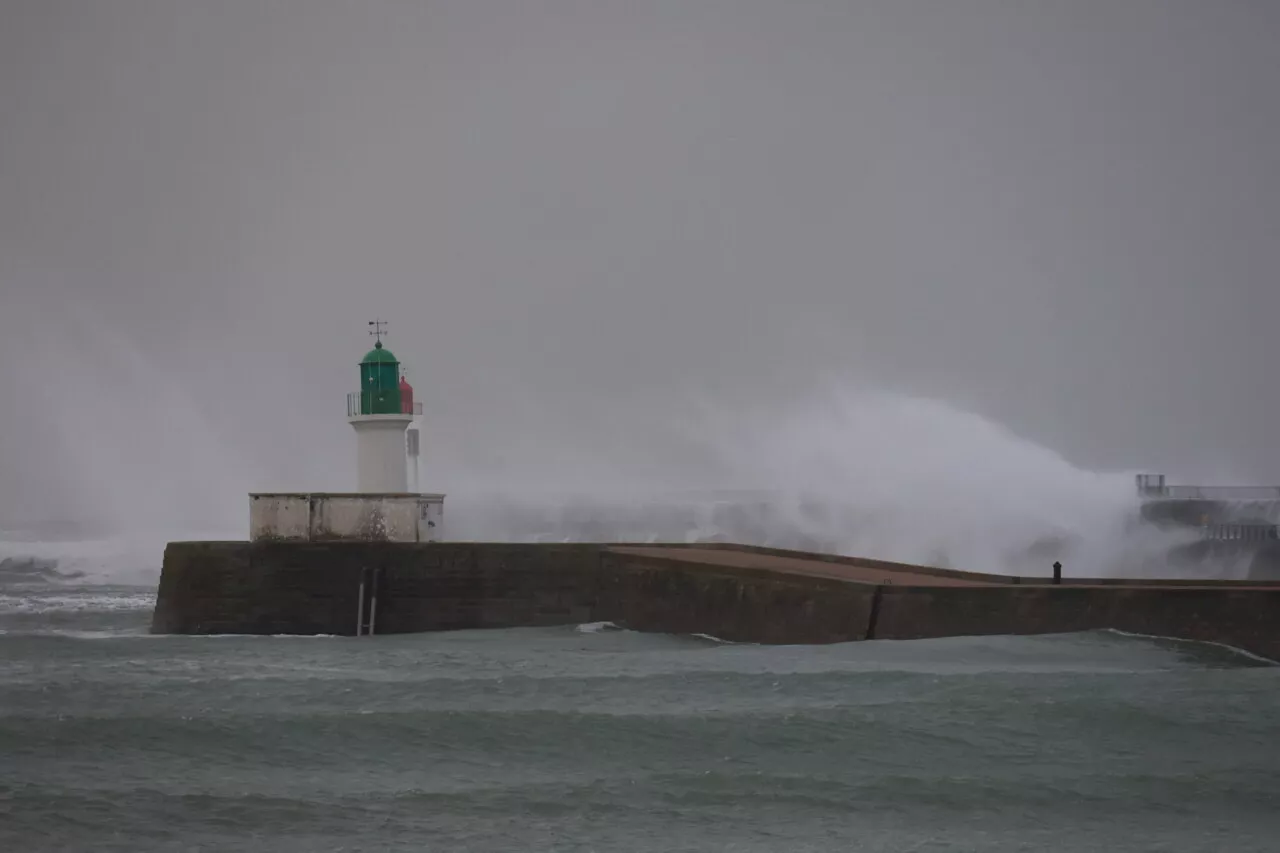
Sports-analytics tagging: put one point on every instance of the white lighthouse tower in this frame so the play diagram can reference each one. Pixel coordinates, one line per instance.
(381, 507)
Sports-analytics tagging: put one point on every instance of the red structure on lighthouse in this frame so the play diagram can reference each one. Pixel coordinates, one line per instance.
(412, 409)
(406, 396)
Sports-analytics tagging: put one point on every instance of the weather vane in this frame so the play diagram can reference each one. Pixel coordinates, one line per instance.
(379, 329)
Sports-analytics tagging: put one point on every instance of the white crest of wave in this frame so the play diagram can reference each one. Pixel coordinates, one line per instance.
(917, 480)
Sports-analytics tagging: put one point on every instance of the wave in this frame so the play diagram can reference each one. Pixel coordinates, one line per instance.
(888, 787)
(725, 805)
(122, 560)
(1233, 650)
(854, 471)
(91, 601)
(33, 569)
(124, 633)
(596, 627)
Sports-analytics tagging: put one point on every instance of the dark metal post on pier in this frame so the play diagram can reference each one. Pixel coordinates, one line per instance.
(1057, 571)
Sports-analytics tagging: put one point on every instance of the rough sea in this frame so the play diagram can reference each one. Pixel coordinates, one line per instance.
(588, 738)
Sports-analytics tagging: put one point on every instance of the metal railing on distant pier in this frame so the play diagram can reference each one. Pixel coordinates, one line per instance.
(1221, 493)
(1241, 532)
(1153, 486)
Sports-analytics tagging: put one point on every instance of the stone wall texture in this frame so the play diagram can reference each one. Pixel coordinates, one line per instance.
(315, 588)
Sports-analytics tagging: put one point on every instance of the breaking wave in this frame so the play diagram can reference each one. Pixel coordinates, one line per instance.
(28, 561)
(856, 472)
(75, 602)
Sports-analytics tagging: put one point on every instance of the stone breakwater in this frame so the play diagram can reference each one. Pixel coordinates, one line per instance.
(734, 593)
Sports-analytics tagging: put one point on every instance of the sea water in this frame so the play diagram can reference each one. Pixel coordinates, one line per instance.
(588, 738)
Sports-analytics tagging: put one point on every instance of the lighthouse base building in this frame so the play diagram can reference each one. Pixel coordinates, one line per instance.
(382, 508)
(360, 516)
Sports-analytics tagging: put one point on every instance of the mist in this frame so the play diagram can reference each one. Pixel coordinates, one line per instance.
(955, 270)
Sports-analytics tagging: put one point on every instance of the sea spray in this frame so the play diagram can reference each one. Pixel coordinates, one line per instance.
(856, 471)
(143, 451)
(918, 480)
(848, 469)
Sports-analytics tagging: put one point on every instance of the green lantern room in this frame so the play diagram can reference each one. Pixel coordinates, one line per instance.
(379, 383)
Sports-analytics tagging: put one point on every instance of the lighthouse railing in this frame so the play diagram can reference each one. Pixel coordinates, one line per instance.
(356, 405)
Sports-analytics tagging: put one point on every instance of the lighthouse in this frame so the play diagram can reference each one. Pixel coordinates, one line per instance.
(381, 417)
(381, 508)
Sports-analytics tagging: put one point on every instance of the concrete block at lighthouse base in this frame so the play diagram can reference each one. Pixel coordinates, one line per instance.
(333, 516)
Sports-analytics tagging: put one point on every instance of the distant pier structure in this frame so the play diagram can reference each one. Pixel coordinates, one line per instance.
(1154, 486)
(383, 414)
(1222, 513)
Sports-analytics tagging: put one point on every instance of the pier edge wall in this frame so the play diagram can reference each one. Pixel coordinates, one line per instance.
(314, 588)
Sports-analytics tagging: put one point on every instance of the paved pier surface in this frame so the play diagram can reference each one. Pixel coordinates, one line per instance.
(869, 571)
(860, 570)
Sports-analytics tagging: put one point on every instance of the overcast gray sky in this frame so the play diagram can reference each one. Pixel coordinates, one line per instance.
(580, 215)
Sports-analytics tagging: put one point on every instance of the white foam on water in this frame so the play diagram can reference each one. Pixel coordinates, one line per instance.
(263, 636)
(596, 627)
(128, 634)
(715, 640)
(74, 603)
(1233, 649)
